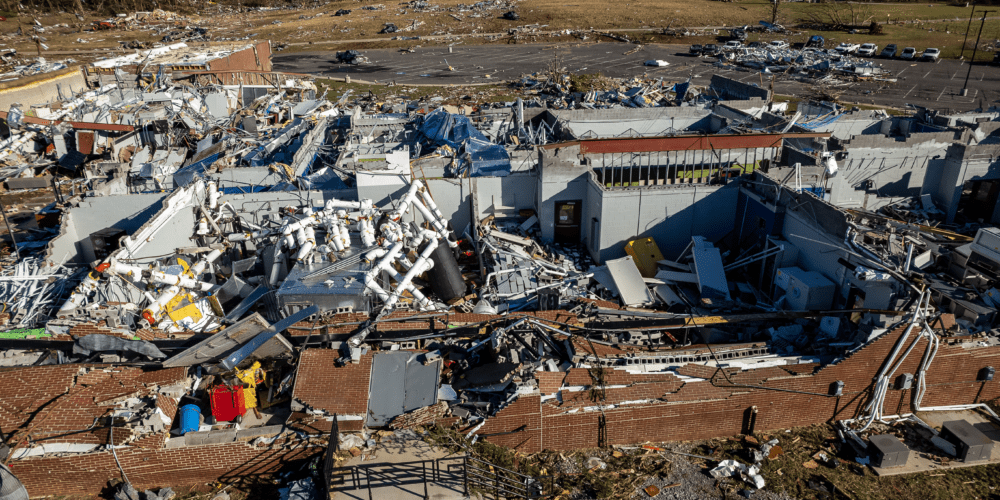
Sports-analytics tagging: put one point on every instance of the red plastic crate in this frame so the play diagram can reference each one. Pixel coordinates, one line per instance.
(227, 403)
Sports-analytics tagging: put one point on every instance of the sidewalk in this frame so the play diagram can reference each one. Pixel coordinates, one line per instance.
(403, 482)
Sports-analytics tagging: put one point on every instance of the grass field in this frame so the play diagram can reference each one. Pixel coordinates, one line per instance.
(787, 473)
(303, 27)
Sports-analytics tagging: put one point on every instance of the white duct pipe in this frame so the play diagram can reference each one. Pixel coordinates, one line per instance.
(371, 277)
(437, 224)
(421, 299)
(15, 145)
(365, 204)
(155, 310)
(422, 264)
(307, 242)
(88, 285)
(333, 237)
(213, 195)
(404, 203)
(367, 232)
(134, 272)
(392, 231)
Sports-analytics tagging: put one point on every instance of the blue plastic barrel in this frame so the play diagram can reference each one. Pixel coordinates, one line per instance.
(190, 418)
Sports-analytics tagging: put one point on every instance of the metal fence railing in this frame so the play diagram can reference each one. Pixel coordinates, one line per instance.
(465, 473)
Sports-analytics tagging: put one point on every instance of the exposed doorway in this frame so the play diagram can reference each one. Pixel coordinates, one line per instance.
(979, 200)
(568, 215)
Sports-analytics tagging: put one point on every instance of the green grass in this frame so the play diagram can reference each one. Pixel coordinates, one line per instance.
(787, 474)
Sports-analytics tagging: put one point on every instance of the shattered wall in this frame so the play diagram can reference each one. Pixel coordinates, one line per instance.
(879, 170)
(562, 177)
(963, 164)
(256, 58)
(343, 391)
(42, 88)
(708, 405)
(148, 465)
(504, 195)
(127, 212)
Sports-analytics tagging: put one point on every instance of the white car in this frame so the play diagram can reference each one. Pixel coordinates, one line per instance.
(847, 48)
(909, 53)
(733, 45)
(868, 50)
(657, 62)
(779, 44)
(931, 55)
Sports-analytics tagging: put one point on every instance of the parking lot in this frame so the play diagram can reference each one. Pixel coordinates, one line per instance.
(930, 84)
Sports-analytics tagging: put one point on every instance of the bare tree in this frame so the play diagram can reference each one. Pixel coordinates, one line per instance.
(775, 8)
(840, 15)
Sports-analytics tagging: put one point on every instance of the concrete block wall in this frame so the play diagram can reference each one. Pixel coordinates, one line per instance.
(670, 215)
(964, 163)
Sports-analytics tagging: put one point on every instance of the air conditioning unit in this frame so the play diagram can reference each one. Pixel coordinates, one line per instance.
(987, 243)
(804, 290)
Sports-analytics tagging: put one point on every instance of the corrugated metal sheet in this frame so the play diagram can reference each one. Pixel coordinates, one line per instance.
(400, 383)
(221, 344)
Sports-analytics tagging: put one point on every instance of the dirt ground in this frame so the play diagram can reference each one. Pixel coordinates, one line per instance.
(452, 21)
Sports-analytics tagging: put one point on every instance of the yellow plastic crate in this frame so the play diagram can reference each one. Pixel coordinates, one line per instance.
(645, 254)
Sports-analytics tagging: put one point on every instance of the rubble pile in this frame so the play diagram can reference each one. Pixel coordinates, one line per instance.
(300, 264)
(808, 64)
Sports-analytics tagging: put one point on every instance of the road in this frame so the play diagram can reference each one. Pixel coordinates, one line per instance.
(936, 85)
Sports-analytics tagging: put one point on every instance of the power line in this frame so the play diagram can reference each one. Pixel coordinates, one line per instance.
(965, 89)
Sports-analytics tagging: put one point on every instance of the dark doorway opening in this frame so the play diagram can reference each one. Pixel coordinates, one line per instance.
(568, 215)
(979, 200)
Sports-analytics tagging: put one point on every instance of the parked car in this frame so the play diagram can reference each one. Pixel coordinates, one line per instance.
(733, 45)
(710, 49)
(739, 33)
(847, 48)
(889, 51)
(931, 54)
(868, 50)
(779, 44)
(696, 50)
(909, 54)
(816, 42)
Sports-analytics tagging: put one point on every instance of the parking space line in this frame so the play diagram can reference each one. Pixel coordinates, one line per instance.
(908, 92)
(929, 72)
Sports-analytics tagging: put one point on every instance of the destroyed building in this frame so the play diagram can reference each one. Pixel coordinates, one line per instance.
(238, 267)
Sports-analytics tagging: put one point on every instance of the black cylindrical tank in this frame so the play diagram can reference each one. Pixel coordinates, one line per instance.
(445, 277)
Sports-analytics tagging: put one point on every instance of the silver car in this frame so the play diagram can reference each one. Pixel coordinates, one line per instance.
(930, 55)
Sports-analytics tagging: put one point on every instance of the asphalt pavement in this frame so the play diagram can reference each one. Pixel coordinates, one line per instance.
(931, 84)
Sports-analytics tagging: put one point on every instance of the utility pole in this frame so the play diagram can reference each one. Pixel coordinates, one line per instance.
(967, 28)
(965, 89)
